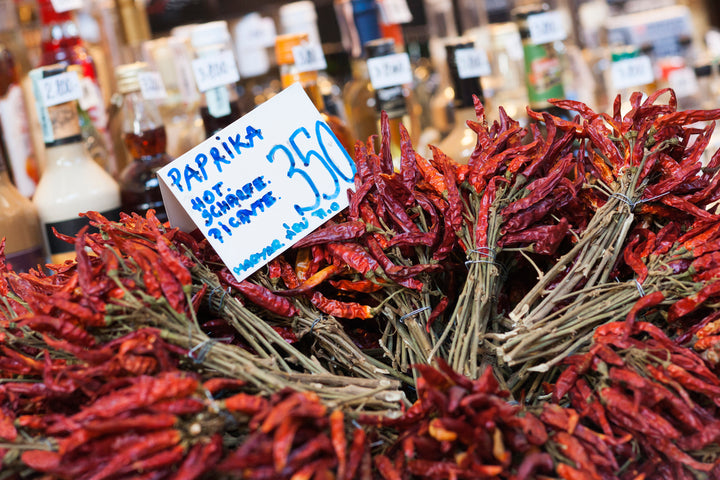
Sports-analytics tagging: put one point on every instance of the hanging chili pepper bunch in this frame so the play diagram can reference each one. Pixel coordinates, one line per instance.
(461, 428)
(644, 403)
(634, 161)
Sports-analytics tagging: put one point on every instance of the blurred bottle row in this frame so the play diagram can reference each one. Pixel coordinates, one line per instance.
(92, 104)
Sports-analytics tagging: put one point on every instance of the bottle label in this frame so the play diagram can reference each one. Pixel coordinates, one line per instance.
(392, 100)
(390, 70)
(544, 75)
(472, 63)
(151, 86)
(65, 5)
(218, 102)
(62, 88)
(684, 82)
(632, 72)
(91, 101)
(16, 128)
(309, 58)
(71, 228)
(393, 12)
(24, 260)
(546, 27)
(215, 70)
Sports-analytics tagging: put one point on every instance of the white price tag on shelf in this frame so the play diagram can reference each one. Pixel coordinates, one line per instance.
(546, 27)
(60, 88)
(215, 71)
(632, 72)
(472, 63)
(390, 70)
(151, 86)
(309, 57)
(684, 82)
(262, 183)
(66, 5)
(394, 12)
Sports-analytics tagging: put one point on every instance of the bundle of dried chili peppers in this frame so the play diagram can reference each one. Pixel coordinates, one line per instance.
(548, 310)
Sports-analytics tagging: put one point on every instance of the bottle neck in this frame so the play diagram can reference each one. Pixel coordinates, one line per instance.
(308, 80)
(139, 115)
(61, 124)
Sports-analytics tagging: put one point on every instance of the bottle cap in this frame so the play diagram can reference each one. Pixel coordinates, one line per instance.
(299, 17)
(284, 45)
(211, 33)
(366, 20)
(380, 47)
(127, 76)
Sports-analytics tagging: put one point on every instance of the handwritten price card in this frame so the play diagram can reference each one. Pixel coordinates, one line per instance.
(262, 183)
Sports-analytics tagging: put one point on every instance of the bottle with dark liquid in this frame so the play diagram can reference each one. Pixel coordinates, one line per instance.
(216, 74)
(144, 137)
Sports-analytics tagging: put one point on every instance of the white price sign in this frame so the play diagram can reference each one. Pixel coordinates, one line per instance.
(215, 71)
(632, 72)
(60, 88)
(472, 63)
(684, 82)
(65, 5)
(390, 70)
(309, 57)
(262, 183)
(394, 12)
(151, 86)
(546, 27)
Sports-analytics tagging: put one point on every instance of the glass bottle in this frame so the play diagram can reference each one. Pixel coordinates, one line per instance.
(171, 57)
(301, 17)
(253, 34)
(19, 225)
(18, 145)
(145, 139)
(290, 73)
(390, 99)
(220, 105)
(72, 182)
(543, 62)
(358, 94)
(61, 43)
(461, 140)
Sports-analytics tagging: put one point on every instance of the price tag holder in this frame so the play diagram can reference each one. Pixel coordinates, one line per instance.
(309, 57)
(66, 5)
(60, 88)
(262, 183)
(151, 86)
(632, 72)
(390, 70)
(684, 82)
(215, 71)
(394, 12)
(546, 27)
(472, 63)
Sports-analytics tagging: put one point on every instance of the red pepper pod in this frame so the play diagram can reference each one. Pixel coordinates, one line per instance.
(260, 295)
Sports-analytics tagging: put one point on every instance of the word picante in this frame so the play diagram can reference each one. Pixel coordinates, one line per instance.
(197, 169)
(214, 203)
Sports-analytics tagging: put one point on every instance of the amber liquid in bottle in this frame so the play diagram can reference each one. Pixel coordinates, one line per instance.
(214, 124)
(139, 189)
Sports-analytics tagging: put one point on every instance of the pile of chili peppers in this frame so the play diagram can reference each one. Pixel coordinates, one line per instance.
(548, 310)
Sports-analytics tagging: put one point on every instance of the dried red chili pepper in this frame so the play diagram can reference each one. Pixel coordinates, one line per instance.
(260, 295)
(312, 282)
(647, 301)
(354, 255)
(337, 232)
(201, 458)
(361, 286)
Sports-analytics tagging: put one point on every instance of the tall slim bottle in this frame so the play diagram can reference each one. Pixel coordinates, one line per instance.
(291, 73)
(144, 138)
(543, 60)
(19, 225)
(390, 97)
(61, 43)
(216, 74)
(72, 182)
(461, 140)
(358, 94)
